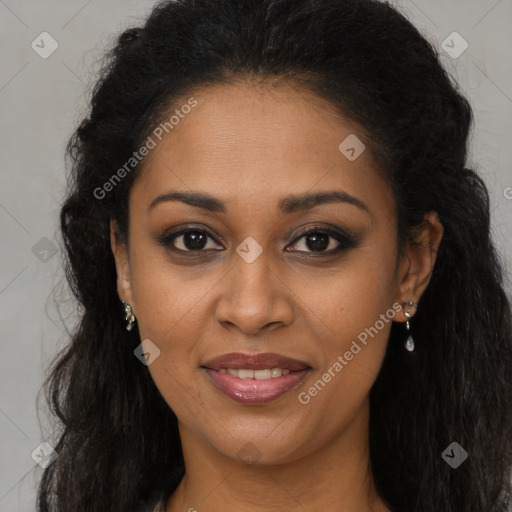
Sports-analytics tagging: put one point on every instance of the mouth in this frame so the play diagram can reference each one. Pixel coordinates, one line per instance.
(255, 378)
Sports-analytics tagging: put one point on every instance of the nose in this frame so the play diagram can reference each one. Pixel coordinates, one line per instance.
(254, 297)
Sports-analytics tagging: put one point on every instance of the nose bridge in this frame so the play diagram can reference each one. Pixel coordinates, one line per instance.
(253, 296)
(251, 268)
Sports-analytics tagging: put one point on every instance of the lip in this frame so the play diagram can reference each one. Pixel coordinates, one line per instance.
(255, 361)
(252, 391)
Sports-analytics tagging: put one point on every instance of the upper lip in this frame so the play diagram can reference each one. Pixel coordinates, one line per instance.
(255, 361)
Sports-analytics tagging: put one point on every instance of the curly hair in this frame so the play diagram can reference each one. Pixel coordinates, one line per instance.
(119, 447)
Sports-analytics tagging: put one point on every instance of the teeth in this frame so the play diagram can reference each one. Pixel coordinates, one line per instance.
(263, 374)
(268, 373)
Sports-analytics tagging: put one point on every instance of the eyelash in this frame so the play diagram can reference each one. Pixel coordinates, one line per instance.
(346, 240)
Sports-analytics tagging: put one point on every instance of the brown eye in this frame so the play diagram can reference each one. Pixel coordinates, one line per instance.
(321, 241)
(188, 240)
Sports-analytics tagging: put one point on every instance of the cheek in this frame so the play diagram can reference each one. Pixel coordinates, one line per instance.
(169, 313)
(338, 390)
(348, 300)
(167, 297)
(350, 317)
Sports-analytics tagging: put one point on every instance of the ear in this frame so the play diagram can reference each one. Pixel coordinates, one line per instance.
(415, 270)
(120, 252)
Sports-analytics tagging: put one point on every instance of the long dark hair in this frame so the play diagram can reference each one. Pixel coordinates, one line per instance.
(119, 445)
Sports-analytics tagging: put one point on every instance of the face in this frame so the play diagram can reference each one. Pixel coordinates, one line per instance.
(237, 274)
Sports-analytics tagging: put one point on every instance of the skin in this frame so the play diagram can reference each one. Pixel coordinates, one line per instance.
(249, 146)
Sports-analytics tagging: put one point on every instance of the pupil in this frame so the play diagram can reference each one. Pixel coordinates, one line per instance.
(319, 242)
(192, 240)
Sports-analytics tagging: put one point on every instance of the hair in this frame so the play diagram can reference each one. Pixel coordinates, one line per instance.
(119, 446)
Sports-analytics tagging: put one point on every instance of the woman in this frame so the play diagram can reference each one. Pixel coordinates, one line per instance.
(291, 300)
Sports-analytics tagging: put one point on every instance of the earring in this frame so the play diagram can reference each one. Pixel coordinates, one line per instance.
(409, 344)
(128, 316)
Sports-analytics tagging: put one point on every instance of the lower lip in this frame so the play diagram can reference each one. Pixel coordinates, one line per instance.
(252, 391)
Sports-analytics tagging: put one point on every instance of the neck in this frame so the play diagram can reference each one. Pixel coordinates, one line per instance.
(336, 476)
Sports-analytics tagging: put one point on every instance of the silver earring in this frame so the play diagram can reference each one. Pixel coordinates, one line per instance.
(409, 344)
(128, 316)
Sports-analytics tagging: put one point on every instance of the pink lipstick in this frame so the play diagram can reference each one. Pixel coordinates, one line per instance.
(255, 378)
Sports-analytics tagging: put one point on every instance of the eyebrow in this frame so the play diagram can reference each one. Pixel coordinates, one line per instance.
(287, 205)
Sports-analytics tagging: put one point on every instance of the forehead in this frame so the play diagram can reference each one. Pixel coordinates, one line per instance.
(251, 145)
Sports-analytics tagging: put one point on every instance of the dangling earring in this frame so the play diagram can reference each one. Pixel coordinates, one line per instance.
(409, 344)
(128, 316)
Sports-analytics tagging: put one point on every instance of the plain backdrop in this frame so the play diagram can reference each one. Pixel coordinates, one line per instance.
(43, 99)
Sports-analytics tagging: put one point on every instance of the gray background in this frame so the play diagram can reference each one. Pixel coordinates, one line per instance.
(42, 100)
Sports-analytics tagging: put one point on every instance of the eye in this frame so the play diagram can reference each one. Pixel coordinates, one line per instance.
(188, 240)
(320, 240)
(313, 240)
